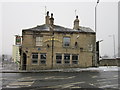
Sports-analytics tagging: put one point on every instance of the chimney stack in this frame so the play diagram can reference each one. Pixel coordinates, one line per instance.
(47, 18)
(51, 19)
(76, 23)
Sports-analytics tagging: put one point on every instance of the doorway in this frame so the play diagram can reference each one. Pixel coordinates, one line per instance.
(24, 61)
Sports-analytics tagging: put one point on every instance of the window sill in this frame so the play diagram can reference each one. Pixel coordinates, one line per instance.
(35, 64)
(66, 46)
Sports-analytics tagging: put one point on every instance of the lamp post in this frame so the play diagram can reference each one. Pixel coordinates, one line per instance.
(96, 15)
(95, 62)
(113, 36)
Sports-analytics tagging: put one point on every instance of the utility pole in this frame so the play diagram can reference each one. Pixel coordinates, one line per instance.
(51, 29)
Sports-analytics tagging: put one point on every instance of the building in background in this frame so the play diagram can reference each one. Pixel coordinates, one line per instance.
(16, 53)
(16, 49)
(52, 46)
(4, 57)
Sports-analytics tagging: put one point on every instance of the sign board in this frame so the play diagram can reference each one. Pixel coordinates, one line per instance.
(18, 40)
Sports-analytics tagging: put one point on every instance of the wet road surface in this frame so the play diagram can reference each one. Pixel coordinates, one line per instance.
(61, 81)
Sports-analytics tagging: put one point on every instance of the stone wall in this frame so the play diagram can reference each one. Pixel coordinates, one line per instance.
(83, 49)
(110, 62)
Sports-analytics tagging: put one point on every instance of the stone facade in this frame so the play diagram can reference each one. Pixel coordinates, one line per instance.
(51, 46)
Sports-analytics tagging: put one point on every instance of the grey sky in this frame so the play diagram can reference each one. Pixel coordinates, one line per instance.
(22, 15)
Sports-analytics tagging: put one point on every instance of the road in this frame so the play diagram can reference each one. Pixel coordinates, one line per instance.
(61, 81)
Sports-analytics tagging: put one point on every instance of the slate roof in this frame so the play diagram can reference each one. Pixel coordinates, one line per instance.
(58, 28)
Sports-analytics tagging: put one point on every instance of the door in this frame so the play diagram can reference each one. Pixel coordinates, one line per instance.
(24, 61)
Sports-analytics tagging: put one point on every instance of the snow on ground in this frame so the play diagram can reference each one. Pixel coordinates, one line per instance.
(101, 68)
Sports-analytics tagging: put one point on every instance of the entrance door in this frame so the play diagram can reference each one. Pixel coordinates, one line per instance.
(24, 61)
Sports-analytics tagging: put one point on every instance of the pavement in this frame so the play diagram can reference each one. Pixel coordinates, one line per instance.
(11, 67)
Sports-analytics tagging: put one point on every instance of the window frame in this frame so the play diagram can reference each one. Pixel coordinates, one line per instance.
(66, 61)
(64, 43)
(59, 60)
(34, 59)
(75, 60)
(43, 60)
(39, 41)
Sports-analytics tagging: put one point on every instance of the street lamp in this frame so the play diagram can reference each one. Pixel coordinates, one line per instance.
(96, 15)
(95, 62)
(113, 36)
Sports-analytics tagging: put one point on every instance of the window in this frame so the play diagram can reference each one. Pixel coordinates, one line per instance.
(39, 41)
(43, 58)
(90, 47)
(58, 58)
(74, 59)
(66, 41)
(66, 58)
(34, 58)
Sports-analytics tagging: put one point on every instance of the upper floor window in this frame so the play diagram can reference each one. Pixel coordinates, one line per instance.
(39, 41)
(66, 41)
(90, 47)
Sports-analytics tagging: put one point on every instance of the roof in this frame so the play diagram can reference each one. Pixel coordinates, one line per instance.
(58, 28)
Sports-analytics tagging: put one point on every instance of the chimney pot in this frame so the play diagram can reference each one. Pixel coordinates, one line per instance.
(77, 17)
(51, 19)
(51, 15)
(47, 18)
(47, 13)
(76, 23)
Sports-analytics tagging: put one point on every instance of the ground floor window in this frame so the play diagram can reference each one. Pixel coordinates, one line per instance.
(34, 58)
(67, 58)
(58, 58)
(43, 58)
(74, 59)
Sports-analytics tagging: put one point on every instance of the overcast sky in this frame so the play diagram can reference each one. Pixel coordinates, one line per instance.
(23, 15)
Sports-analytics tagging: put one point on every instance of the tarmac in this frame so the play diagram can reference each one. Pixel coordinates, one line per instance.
(11, 67)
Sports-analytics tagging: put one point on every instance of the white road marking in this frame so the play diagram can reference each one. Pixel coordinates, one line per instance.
(27, 79)
(103, 82)
(75, 87)
(115, 76)
(64, 77)
(91, 84)
(94, 76)
(49, 77)
(20, 84)
(65, 85)
(107, 79)
(71, 77)
(106, 86)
